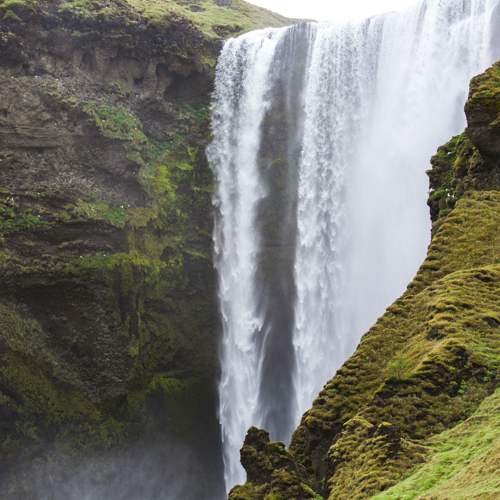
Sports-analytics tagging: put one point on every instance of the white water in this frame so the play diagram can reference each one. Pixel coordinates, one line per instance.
(374, 102)
(242, 82)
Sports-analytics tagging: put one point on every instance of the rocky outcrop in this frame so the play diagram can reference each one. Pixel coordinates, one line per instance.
(431, 360)
(469, 161)
(107, 308)
(271, 471)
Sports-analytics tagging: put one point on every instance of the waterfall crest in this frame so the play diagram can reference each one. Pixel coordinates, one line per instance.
(322, 134)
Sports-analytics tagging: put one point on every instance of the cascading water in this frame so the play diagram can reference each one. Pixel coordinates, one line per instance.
(322, 134)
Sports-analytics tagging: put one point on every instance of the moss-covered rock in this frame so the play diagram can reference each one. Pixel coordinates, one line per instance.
(483, 112)
(272, 473)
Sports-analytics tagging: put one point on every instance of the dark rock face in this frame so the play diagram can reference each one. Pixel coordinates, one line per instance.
(107, 307)
(483, 112)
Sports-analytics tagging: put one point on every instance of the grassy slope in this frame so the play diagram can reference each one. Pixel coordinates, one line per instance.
(213, 21)
(240, 16)
(463, 462)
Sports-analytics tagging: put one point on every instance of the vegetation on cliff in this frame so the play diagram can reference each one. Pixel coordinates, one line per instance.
(213, 18)
(461, 463)
(400, 406)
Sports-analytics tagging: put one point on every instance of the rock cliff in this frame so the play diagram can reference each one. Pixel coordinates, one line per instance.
(108, 329)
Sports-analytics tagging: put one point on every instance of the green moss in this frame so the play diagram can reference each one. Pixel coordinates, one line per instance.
(14, 219)
(43, 404)
(485, 90)
(285, 485)
(199, 113)
(115, 216)
(448, 348)
(366, 458)
(171, 389)
(160, 164)
(467, 238)
(92, 9)
(271, 471)
(454, 171)
(135, 268)
(46, 407)
(178, 401)
(248, 491)
(9, 15)
(116, 122)
(398, 368)
(157, 180)
(439, 325)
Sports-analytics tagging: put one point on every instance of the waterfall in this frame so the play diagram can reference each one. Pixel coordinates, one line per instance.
(322, 135)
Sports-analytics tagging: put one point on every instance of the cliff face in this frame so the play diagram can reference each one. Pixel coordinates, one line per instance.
(425, 367)
(107, 305)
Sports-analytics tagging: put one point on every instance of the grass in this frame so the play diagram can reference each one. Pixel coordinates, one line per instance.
(212, 20)
(239, 17)
(100, 211)
(463, 462)
(9, 4)
(116, 122)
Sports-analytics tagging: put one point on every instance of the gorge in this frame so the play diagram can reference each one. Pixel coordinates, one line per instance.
(215, 249)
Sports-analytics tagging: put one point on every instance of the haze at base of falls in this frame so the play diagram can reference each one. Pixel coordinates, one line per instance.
(322, 136)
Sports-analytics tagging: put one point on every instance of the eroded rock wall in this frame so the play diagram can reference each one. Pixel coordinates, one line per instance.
(107, 304)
